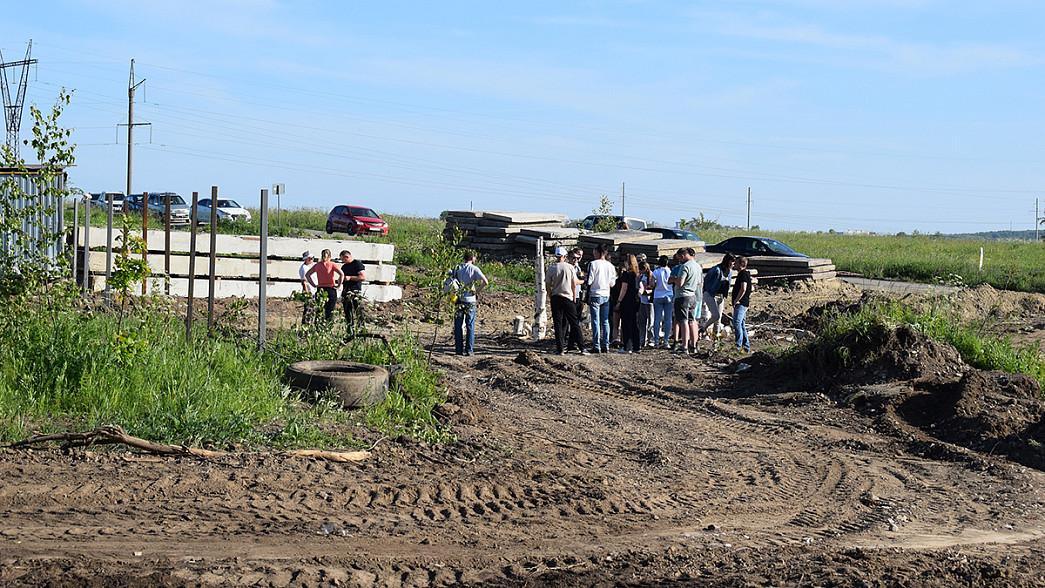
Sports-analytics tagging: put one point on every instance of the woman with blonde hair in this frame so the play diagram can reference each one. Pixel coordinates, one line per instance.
(628, 301)
(328, 279)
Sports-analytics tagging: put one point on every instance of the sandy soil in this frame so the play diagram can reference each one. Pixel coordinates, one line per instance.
(904, 468)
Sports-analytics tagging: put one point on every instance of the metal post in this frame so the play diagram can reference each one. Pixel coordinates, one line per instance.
(167, 247)
(108, 251)
(87, 246)
(213, 260)
(192, 266)
(145, 236)
(263, 269)
(76, 234)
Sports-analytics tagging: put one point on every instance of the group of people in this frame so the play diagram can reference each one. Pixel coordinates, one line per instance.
(667, 307)
(323, 278)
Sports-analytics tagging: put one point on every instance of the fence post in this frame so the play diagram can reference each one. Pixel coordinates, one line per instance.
(108, 251)
(213, 259)
(263, 269)
(76, 232)
(86, 245)
(145, 236)
(192, 266)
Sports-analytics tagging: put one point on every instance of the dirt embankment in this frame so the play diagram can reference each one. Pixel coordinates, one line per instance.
(903, 468)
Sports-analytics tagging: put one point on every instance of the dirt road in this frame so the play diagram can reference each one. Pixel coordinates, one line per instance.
(609, 470)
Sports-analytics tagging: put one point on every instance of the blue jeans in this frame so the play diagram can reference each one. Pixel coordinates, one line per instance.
(599, 309)
(464, 324)
(662, 310)
(740, 327)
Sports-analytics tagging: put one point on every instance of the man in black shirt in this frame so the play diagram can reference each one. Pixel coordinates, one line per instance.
(352, 295)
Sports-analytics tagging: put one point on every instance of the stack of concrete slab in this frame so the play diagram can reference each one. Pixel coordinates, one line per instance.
(771, 267)
(236, 267)
(636, 242)
(654, 248)
(504, 234)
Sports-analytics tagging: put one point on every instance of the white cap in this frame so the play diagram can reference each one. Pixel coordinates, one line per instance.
(306, 255)
(560, 251)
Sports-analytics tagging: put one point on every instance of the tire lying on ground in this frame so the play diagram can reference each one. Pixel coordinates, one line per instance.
(356, 384)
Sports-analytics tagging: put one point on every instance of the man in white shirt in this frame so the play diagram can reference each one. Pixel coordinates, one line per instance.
(601, 275)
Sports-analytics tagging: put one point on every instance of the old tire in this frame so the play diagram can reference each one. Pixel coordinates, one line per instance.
(356, 384)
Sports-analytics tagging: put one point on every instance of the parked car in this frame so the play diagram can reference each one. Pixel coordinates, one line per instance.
(180, 210)
(227, 210)
(667, 233)
(102, 199)
(356, 220)
(622, 222)
(748, 246)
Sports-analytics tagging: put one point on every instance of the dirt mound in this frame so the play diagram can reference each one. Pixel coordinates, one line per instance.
(983, 302)
(874, 356)
(986, 411)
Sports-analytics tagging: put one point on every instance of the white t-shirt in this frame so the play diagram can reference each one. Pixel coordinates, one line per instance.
(304, 270)
(660, 278)
(601, 275)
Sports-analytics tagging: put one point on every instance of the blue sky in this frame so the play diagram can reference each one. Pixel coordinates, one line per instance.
(880, 115)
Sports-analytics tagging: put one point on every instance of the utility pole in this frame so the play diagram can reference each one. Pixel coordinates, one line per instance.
(622, 198)
(13, 108)
(131, 87)
(749, 208)
(1037, 220)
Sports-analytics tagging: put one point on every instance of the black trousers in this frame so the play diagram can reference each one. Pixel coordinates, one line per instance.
(330, 303)
(564, 315)
(350, 301)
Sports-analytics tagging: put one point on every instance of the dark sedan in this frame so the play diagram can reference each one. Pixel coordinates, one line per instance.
(667, 233)
(750, 246)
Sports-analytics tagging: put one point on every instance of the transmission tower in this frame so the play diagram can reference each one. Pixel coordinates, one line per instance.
(13, 108)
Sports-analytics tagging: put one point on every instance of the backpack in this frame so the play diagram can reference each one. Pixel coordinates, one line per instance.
(451, 284)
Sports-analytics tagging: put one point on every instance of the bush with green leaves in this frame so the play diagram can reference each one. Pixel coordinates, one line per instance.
(24, 261)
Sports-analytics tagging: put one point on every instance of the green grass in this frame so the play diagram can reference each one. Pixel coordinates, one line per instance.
(1007, 265)
(68, 367)
(842, 333)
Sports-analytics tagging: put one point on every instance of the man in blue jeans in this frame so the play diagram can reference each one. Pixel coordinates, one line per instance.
(601, 275)
(472, 283)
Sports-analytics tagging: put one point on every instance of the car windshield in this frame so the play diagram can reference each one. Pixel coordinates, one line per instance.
(174, 198)
(228, 204)
(367, 212)
(777, 246)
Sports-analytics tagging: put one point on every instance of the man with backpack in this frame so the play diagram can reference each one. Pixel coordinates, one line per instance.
(471, 282)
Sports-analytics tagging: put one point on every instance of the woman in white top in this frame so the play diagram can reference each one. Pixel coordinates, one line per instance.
(662, 300)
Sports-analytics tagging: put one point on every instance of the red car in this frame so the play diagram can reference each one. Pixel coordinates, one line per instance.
(356, 220)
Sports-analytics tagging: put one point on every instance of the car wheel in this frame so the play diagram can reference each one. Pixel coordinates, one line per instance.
(330, 228)
(351, 229)
(356, 384)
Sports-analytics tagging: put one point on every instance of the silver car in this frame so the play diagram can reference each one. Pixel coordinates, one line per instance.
(227, 210)
(180, 210)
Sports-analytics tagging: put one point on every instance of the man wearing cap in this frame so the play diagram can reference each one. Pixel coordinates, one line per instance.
(307, 261)
(561, 283)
